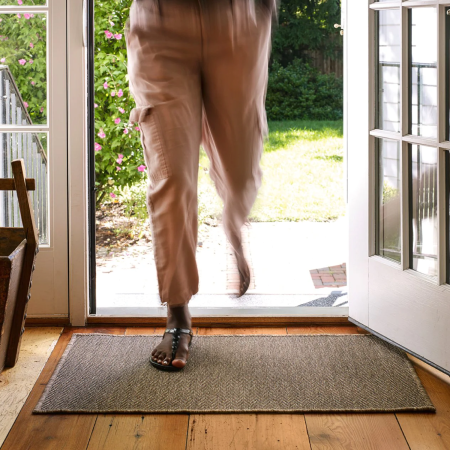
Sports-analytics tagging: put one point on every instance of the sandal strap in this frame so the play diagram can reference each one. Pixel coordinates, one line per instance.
(176, 336)
(179, 330)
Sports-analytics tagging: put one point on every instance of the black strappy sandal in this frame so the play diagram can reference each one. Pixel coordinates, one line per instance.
(176, 332)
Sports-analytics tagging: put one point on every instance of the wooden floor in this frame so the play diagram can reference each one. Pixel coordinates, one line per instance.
(232, 431)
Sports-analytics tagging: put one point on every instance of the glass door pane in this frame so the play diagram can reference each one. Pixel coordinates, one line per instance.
(423, 207)
(423, 72)
(388, 242)
(388, 75)
(23, 69)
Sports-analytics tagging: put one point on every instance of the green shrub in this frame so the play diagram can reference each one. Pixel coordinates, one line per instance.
(299, 91)
(295, 92)
(23, 40)
(119, 160)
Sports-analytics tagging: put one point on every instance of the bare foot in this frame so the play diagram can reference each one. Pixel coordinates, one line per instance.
(244, 272)
(177, 317)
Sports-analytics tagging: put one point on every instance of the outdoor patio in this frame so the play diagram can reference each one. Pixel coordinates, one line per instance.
(292, 263)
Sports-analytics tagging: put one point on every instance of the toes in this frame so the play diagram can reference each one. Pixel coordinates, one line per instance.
(161, 356)
(182, 352)
(166, 361)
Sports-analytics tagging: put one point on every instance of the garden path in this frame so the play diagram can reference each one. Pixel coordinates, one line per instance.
(292, 263)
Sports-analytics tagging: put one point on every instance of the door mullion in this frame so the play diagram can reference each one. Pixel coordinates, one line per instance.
(404, 130)
(442, 219)
(405, 222)
(441, 133)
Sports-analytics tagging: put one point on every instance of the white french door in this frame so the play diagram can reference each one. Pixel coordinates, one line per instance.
(398, 172)
(33, 126)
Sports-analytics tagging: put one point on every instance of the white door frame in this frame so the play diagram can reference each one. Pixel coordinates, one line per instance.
(49, 294)
(78, 194)
(77, 177)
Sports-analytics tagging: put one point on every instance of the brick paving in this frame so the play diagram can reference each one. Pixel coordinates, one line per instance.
(333, 276)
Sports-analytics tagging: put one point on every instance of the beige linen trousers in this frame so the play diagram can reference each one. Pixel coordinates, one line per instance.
(198, 73)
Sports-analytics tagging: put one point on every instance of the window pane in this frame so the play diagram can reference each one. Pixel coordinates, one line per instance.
(388, 78)
(447, 52)
(23, 2)
(32, 147)
(423, 72)
(23, 69)
(423, 197)
(447, 182)
(388, 200)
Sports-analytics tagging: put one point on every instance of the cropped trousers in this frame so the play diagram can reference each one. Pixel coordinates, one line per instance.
(198, 73)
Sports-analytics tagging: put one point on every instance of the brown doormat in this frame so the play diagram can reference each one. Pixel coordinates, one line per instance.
(101, 373)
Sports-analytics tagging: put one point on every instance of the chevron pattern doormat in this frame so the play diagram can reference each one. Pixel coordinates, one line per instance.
(102, 373)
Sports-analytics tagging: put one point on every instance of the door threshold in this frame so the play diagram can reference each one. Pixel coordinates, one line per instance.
(223, 316)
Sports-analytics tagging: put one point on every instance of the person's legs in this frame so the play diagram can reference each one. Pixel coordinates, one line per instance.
(164, 49)
(234, 79)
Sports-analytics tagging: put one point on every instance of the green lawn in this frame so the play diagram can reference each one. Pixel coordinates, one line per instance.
(303, 175)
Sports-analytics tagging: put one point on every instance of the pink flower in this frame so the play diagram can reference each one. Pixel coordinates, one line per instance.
(118, 168)
(112, 195)
(141, 168)
(31, 15)
(120, 93)
(42, 110)
(121, 110)
(30, 61)
(117, 120)
(113, 93)
(120, 155)
(19, 16)
(27, 16)
(25, 104)
(108, 34)
(105, 85)
(119, 160)
(101, 134)
(22, 62)
(33, 83)
(97, 147)
(19, 2)
(125, 131)
(95, 105)
(137, 128)
(3, 60)
(118, 36)
(31, 45)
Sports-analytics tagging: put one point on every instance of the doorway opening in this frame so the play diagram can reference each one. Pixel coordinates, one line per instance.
(296, 238)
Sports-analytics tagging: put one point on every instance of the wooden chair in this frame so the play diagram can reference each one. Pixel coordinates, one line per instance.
(16, 269)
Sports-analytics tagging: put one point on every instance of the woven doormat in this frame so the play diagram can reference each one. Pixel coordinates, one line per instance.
(101, 373)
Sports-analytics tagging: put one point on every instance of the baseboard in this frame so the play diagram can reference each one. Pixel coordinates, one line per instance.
(47, 322)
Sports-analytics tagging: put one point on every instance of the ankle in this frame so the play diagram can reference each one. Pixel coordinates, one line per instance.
(178, 317)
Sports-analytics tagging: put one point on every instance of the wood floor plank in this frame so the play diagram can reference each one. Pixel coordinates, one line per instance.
(325, 329)
(205, 331)
(53, 431)
(133, 331)
(17, 382)
(247, 432)
(140, 431)
(355, 432)
(427, 431)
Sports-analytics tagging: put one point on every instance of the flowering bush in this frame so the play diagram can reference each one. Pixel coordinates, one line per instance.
(23, 48)
(119, 160)
(294, 91)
